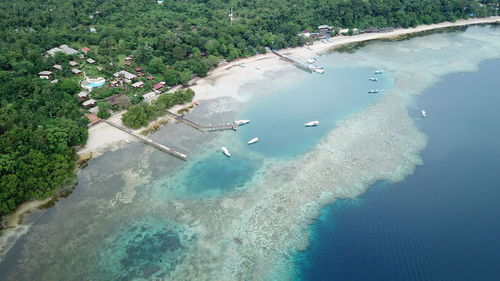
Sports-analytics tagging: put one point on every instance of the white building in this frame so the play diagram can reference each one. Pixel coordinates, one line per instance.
(127, 76)
(63, 49)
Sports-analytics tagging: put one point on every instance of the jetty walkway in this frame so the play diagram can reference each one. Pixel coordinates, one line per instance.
(182, 119)
(298, 64)
(149, 142)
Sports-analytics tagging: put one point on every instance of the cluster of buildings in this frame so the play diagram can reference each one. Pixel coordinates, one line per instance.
(325, 31)
(121, 77)
(73, 64)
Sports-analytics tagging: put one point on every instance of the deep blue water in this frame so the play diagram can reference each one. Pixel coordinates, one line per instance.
(441, 223)
(326, 98)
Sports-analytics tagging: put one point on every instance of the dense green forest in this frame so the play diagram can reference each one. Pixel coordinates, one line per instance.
(41, 122)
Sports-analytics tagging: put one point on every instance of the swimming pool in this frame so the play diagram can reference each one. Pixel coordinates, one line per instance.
(95, 84)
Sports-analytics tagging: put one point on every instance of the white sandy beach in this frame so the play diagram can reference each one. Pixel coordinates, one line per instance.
(225, 80)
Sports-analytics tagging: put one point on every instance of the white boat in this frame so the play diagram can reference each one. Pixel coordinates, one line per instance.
(126, 140)
(254, 140)
(311, 60)
(375, 91)
(225, 151)
(312, 124)
(423, 113)
(241, 122)
(319, 70)
(373, 79)
(378, 71)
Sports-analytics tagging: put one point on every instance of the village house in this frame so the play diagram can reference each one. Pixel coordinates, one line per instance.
(45, 74)
(158, 87)
(82, 96)
(57, 66)
(325, 30)
(139, 84)
(149, 96)
(138, 69)
(91, 61)
(100, 68)
(127, 76)
(93, 119)
(127, 64)
(129, 58)
(76, 72)
(73, 63)
(85, 50)
(114, 84)
(150, 77)
(88, 104)
(63, 49)
(92, 29)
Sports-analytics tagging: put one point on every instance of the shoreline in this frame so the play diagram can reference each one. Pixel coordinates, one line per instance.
(224, 81)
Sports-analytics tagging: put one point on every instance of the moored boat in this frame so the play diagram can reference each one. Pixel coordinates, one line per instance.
(319, 70)
(373, 79)
(225, 151)
(312, 124)
(423, 113)
(375, 91)
(241, 122)
(378, 72)
(254, 140)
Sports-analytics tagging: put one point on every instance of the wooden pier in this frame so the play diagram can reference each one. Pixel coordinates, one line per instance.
(149, 142)
(182, 119)
(298, 64)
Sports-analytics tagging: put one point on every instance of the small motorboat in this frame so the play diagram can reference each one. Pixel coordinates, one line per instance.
(254, 140)
(241, 122)
(378, 72)
(319, 70)
(312, 124)
(126, 140)
(375, 91)
(225, 151)
(373, 79)
(423, 113)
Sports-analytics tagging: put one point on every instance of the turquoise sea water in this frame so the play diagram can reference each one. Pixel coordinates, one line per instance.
(137, 214)
(441, 223)
(278, 120)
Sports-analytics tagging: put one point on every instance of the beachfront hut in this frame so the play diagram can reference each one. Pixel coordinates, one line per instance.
(149, 96)
(93, 119)
(45, 74)
(127, 76)
(57, 66)
(139, 84)
(91, 61)
(120, 100)
(158, 87)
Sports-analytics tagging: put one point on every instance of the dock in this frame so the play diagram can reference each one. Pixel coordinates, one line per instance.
(182, 119)
(149, 142)
(298, 64)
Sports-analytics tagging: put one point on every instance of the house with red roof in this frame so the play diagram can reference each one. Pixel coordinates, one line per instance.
(85, 49)
(158, 87)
